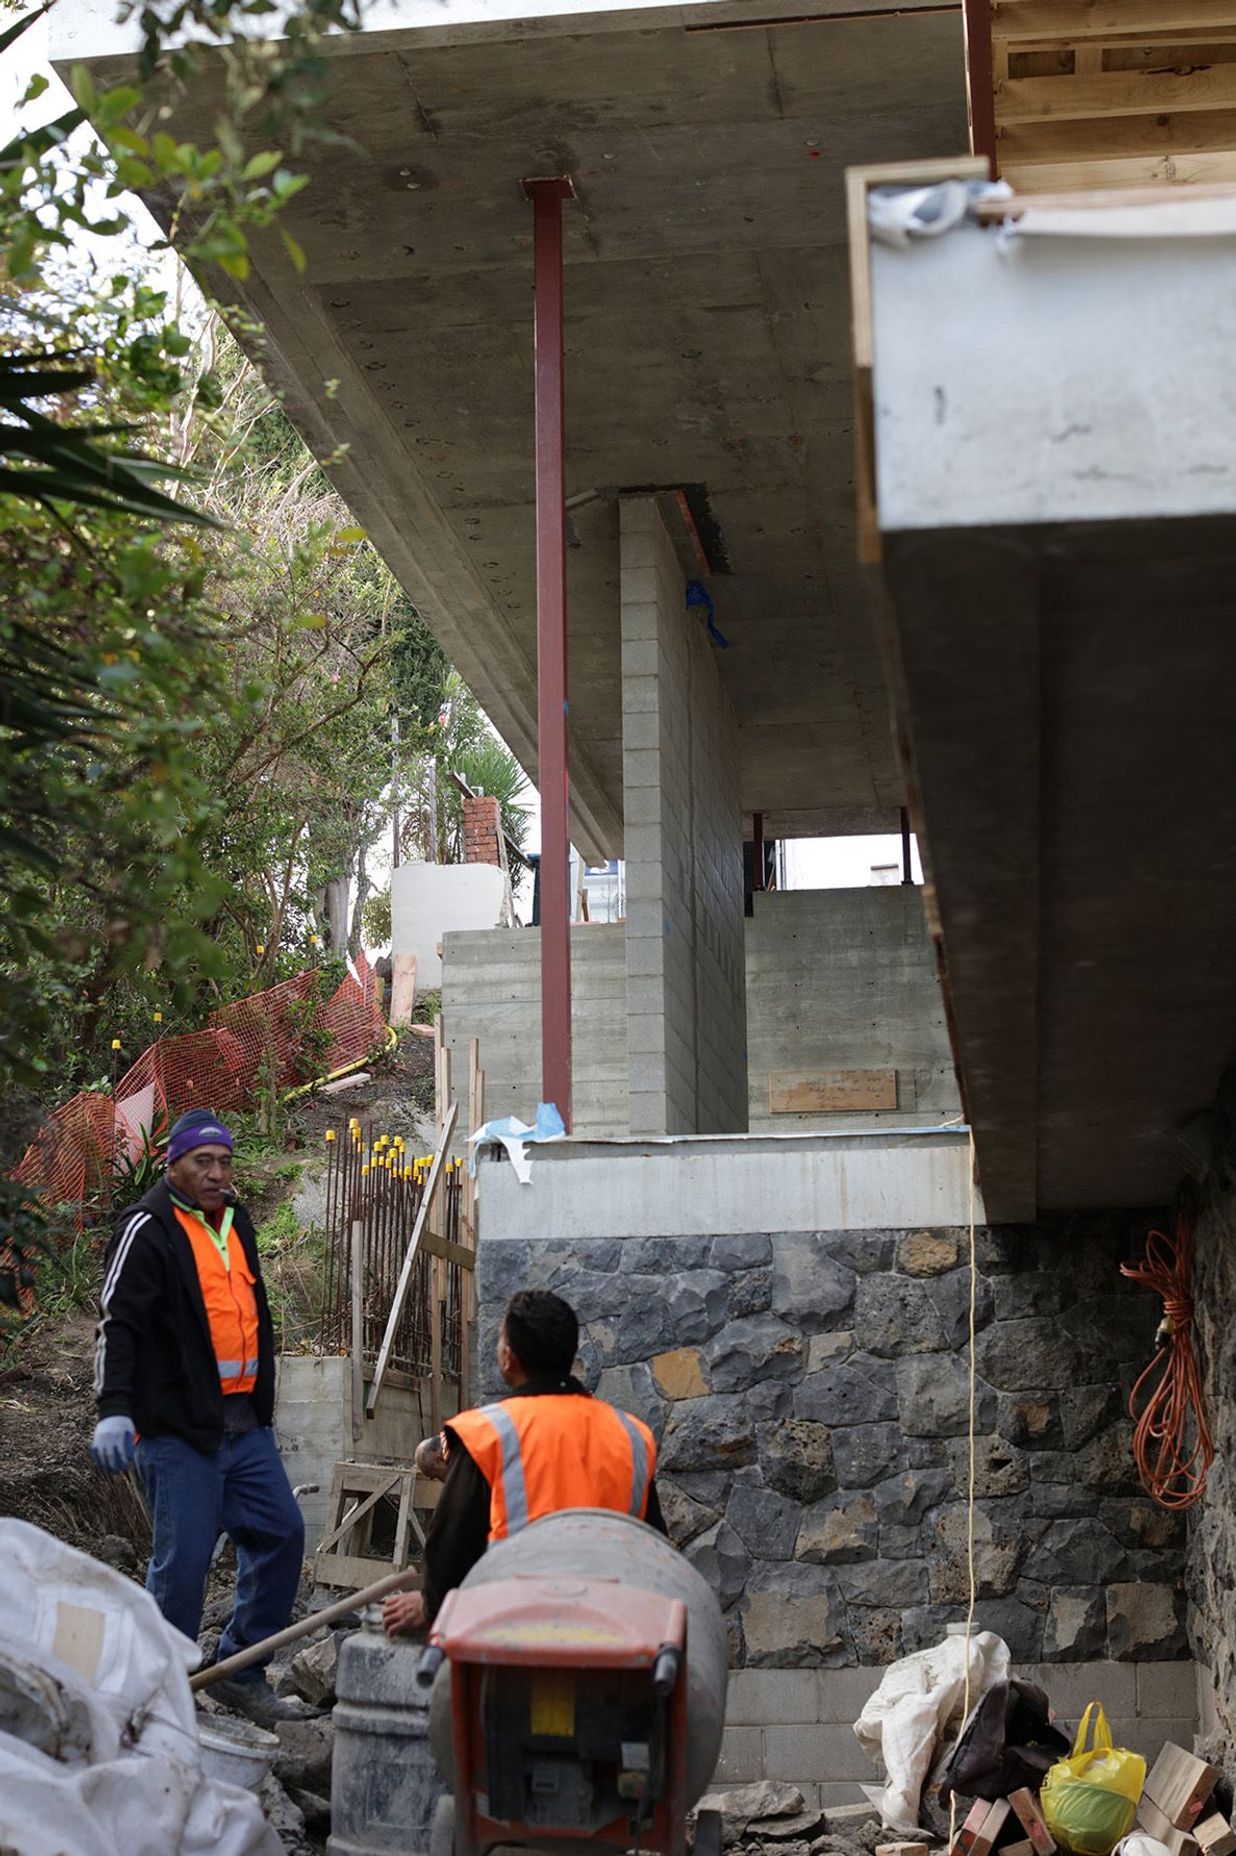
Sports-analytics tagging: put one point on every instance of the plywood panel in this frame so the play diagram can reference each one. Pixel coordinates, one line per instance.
(814, 1092)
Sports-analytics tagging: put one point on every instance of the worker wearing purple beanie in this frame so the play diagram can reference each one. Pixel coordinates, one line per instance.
(185, 1384)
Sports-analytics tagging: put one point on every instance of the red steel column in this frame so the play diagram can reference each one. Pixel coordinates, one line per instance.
(551, 644)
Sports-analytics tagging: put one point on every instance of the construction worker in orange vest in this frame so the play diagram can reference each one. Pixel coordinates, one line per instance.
(549, 1446)
(185, 1383)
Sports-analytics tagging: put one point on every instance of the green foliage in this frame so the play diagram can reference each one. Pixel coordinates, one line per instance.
(428, 1007)
(376, 919)
(136, 1174)
(66, 1277)
(460, 741)
(278, 1232)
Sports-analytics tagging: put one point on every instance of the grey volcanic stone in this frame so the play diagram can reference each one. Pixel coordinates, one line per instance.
(923, 1626)
(1087, 1410)
(796, 1457)
(809, 1287)
(709, 1486)
(902, 1583)
(999, 1467)
(631, 1388)
(1076, 1627)
(747, 1250)
(1020, 1626)
(951, 1295)
(859, 1390)
(709, 1433)
(903, 1500)
(862, 1251)
(1033, 1422)
(684, 1516)
(865, 1453)
(770, 1402)
(839, 1530)
(756, 1349)
(877, 1642)
(720, 1557)
(1033, 1355)
(765, 1522)
(793, 1617)
(894, 1315)
(666, 1256)
(1080, 1552)
(1034, 1293)
(1144, 1624)
(933, 1392)
(750, 1293)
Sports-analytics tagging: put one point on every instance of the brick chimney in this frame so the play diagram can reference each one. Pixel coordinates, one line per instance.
(482, 831)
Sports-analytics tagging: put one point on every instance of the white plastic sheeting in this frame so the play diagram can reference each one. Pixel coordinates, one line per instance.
(99, 1752)
(919, 1698)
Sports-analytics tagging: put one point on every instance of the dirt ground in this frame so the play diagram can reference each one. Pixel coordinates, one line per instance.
(46, 1419)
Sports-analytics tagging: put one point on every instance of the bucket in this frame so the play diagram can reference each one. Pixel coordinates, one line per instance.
(235, 1751)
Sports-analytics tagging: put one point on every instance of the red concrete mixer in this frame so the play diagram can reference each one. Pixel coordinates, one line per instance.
(570, 1709)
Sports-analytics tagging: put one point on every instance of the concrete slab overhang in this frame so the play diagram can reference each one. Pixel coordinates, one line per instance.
(707, 339)
(1056, 480)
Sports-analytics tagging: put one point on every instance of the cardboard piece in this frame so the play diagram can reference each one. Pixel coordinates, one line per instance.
(1179, 1785)
(1031, 1819)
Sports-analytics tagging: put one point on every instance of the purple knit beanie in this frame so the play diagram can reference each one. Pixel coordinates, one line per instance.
(201, 1127)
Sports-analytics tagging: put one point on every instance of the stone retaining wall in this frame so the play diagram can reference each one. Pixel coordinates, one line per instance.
(810, 1394)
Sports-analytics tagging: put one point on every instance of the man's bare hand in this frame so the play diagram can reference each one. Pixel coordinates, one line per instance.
(403, 1612)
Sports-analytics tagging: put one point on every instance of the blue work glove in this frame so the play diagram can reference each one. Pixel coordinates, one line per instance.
(114, 1443)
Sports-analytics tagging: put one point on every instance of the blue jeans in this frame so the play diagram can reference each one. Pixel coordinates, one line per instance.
(241, 1490)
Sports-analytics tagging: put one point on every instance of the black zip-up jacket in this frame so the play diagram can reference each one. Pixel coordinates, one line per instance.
(154, 1359)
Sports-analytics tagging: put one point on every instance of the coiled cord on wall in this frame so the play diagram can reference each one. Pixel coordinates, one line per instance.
(1172, 1444)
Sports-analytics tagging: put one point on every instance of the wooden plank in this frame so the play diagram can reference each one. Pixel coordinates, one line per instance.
(858, 182)
(814, 1092)
(435, 1246)
(1179, 1784)
(1069, 20)
(359, 1510)
(351, 1571)
(1095, 200)
(1215, 1836)
(1115, 93)
(409, 1261)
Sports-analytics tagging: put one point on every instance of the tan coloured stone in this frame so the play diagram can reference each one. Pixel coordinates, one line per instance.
(927, 1253)
(679, 1374)
(823, 1349)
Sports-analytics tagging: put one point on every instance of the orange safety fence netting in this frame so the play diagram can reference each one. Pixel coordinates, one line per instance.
(279, 1038)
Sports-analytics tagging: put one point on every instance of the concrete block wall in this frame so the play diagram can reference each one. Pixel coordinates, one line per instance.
(491, 990)
(798, 1724)
(313, 1422)
(846, 979)
(683, 849)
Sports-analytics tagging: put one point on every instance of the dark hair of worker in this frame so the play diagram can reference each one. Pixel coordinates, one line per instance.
(542, 1331)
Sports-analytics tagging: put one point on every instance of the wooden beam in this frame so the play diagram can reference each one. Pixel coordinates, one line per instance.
(1067, 20)
(409, 1261)
(1095, 200)
(1116, 93)
(1197, 173)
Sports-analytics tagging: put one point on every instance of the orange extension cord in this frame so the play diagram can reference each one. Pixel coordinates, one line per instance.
(1171, 1417)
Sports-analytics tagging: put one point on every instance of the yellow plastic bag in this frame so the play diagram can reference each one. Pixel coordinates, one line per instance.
(1089, 1799)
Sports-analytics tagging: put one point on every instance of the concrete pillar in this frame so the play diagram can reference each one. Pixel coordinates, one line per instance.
(686, 991)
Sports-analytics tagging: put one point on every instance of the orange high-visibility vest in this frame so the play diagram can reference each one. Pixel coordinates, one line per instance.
(231, 1304)
(559, 1450)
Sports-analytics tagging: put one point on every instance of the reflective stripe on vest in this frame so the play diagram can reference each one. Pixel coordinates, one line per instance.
(231, 1303)
(543, 1454)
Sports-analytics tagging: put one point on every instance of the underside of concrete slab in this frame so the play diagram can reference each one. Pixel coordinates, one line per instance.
(706, 328)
